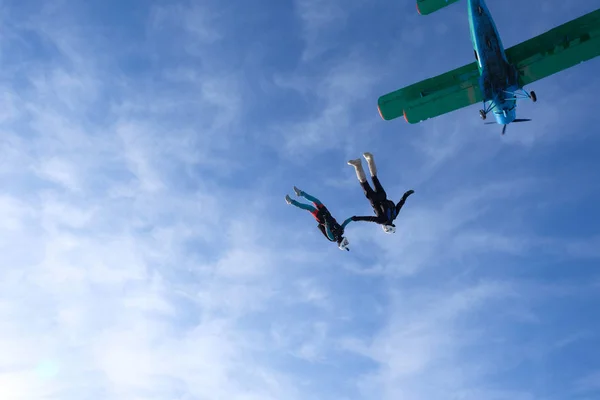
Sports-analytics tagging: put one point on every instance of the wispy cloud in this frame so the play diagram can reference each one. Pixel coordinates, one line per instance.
(589, 383)
(321, 20)
(424, 335)
(337, 96)
(107, 227)
(147, 251)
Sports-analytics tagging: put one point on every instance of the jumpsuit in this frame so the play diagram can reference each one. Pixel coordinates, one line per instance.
(328, 225)
(385, 210)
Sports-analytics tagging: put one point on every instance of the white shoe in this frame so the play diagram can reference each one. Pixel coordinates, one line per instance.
(288, 199)
(297, 191)
(355, 163)
(368, 156)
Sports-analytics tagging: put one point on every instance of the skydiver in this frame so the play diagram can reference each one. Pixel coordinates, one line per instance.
(385, 210)
(329, 227)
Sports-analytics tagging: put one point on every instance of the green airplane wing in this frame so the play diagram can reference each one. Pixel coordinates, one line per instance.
(425, 7)
(434, 96)
(558, 49)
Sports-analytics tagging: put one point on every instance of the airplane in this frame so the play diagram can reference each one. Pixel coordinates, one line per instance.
(497, 77)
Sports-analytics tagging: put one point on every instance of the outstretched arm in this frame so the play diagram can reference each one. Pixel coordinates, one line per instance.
(403, 200)
(346, 222)
(367, 219)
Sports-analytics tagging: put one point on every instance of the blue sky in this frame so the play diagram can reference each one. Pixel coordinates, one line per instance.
(147, 251)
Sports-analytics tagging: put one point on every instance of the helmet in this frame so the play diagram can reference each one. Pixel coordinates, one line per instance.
(343, 244)
(389, 228)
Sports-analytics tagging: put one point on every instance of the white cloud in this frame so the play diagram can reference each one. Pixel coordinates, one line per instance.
(103, 297)
(336, 107)
(424, 335)
(320, 19)
(199, 20)
(589, 383)
(144, 256)
(59, 171)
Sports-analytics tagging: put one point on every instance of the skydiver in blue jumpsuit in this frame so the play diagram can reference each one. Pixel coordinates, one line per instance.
(329, 227)
(385, 210)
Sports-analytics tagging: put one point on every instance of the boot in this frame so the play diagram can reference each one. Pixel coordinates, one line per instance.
(360, 173)
(371, 163)
(288, 199)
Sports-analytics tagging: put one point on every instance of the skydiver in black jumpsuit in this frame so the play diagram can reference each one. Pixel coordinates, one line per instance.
(385, 210)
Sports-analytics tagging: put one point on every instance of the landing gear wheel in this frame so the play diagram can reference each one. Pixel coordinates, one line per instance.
(482, 114)
(533, 96)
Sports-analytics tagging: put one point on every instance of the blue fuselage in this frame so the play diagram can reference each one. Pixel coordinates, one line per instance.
(498, 79)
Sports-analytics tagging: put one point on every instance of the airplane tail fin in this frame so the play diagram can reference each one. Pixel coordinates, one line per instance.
(426, 7)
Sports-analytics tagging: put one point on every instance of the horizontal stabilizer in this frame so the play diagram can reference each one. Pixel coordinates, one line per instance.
(558, 49)
(425, 7)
